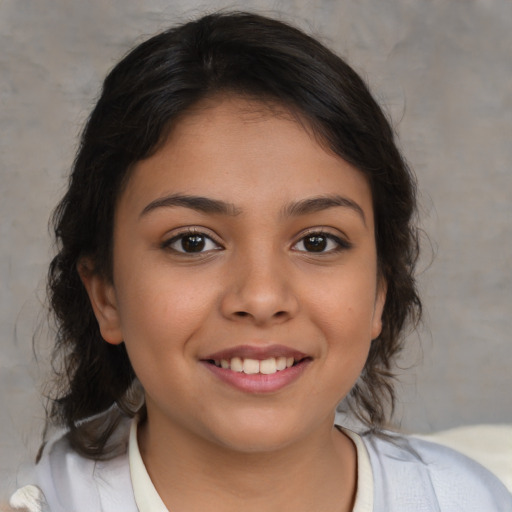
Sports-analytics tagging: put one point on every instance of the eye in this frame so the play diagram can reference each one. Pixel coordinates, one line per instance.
(320, 243)
(191, 243)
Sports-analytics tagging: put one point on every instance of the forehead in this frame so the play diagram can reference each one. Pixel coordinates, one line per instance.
(238, 120)
(241, 149)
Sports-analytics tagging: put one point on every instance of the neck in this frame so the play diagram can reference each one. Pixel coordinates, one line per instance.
(191, 473)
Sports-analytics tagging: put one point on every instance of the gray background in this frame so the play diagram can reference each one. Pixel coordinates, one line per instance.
(443, 71)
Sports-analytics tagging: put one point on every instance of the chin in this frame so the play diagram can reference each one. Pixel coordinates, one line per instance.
(258, 442)
(262, 434)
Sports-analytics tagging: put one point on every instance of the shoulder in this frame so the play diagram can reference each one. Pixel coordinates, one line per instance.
(29, 498)
(490, 445)
(65, 480)
(411, 471)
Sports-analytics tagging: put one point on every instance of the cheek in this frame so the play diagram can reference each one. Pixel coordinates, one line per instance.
(348, 304)
(344, 313)
(163, 309)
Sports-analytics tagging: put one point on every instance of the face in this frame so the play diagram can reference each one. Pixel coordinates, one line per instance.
(244, 278)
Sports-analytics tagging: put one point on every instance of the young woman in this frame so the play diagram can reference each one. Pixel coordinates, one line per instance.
(236, 256)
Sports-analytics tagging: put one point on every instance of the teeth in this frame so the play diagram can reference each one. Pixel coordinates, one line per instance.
(268, 366)
(280, 363)
(254, 366)
(251, 366)
(237, 364)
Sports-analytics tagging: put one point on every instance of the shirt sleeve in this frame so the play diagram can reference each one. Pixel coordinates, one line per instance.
(29, 499)
(413, 474)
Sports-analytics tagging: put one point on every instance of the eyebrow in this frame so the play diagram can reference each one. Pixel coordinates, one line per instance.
(216, 206)
(198, 203)
(316, 204)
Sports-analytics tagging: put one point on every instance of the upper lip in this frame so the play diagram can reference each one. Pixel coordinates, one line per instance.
(256, 352)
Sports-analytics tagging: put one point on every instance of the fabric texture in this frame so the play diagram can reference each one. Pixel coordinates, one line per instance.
(406, 474)
(490, 445)
(146, 496)
(364, 493)
(414, 474)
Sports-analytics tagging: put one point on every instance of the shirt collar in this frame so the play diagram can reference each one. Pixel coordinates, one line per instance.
(364, 492)
(146, 497)
(148, 500)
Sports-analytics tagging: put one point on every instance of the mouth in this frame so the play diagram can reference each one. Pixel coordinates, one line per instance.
(258, 369)
(251, 366)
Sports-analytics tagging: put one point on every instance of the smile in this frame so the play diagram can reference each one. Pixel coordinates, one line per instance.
(258, 369)
(253, 366)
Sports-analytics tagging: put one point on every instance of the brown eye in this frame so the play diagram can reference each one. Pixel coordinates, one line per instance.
(315, 243)
(191, 243)
(321, 243)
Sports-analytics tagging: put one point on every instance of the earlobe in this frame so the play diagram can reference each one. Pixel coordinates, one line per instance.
(380, 301)
(103, 301)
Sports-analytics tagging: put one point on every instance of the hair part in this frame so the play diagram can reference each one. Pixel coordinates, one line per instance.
(142, 99)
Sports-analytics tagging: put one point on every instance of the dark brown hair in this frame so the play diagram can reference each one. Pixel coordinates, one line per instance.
(142, 97)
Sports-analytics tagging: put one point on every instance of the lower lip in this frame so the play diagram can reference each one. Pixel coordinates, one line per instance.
(259, 383)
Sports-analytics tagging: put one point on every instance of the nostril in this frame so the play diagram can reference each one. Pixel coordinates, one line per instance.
(243, 314)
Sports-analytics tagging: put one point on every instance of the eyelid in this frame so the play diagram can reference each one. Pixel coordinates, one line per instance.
(178, 233)
(340, 239)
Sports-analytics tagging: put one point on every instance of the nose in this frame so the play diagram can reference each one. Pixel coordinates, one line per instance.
(259, 290)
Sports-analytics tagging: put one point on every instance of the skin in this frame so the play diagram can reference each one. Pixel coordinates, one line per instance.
(256, 282)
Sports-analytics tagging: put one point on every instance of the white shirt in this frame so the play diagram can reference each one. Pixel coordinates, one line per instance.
(398, 473)
(148, 499)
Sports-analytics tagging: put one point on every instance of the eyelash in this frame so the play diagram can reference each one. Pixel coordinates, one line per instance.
(322, 237)
(340, 243)
(190, 233)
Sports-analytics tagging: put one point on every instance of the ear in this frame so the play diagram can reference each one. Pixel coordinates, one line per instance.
(380, 301)
(103, 301)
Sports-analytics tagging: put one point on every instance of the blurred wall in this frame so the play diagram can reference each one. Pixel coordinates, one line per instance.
(442, 69)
